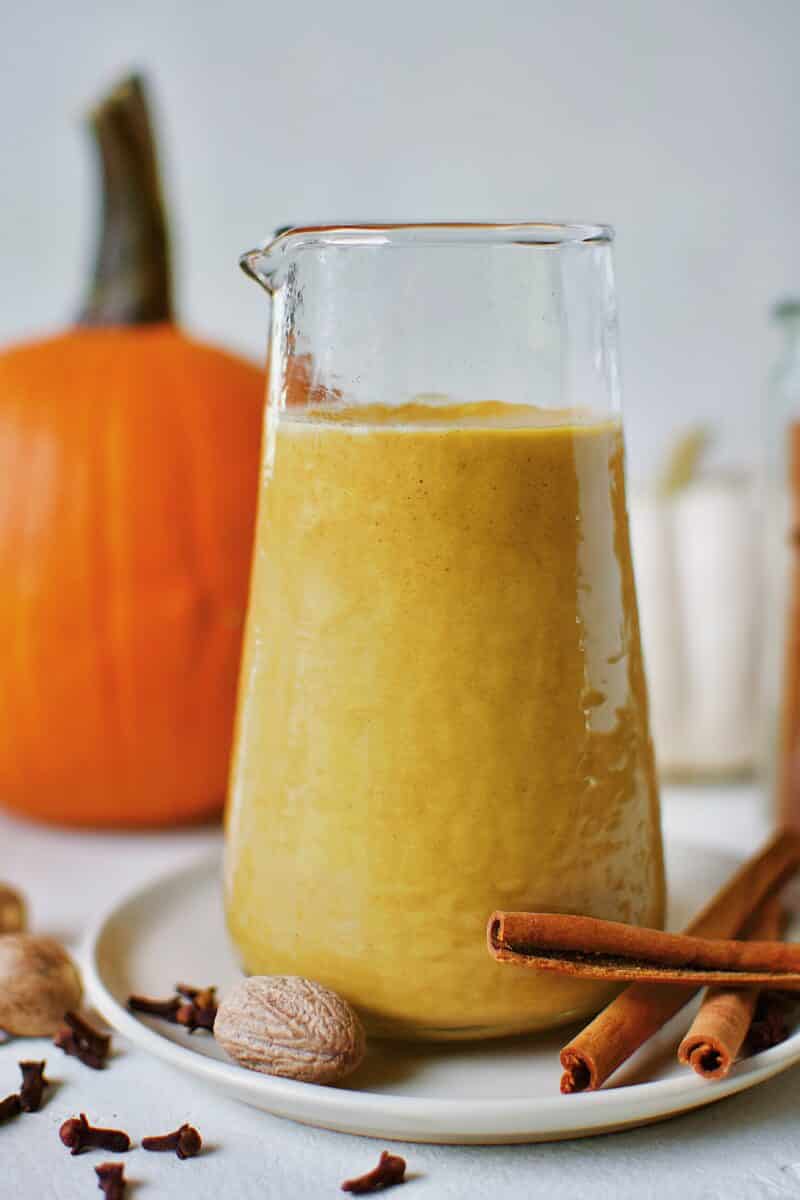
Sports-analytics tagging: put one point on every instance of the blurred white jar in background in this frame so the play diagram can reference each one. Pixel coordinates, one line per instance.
(652, 538)
(698, 574)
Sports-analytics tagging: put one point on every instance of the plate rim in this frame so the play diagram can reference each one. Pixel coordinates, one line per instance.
(595, 1112)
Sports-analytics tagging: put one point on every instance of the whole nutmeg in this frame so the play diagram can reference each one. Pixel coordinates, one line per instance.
(290, 1026)
(13, 914)
(39, 982)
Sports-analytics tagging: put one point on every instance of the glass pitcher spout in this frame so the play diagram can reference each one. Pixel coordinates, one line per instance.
(257, 265)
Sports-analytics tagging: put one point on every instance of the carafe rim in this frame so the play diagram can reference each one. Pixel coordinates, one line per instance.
(264, 263)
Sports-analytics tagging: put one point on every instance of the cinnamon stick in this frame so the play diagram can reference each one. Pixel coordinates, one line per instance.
(588, 948)
(641, 1010)
(718, 1032)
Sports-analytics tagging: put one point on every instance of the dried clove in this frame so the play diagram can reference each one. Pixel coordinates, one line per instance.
(185, 1141)
(199, 1009)
(391, 1169)
(167, 1009)
(33, 1085)
(770, 1021)
(10, 1107)
(192, 1007)
(77, 1037)
(111, 1180)
(77, 1135)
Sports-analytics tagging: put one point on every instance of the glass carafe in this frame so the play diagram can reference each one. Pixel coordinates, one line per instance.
(780, 495)
(442, 705)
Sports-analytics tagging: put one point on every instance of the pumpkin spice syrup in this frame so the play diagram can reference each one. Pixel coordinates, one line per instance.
(441, 704)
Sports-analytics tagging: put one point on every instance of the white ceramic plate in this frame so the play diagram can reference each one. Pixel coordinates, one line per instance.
(489, 1092)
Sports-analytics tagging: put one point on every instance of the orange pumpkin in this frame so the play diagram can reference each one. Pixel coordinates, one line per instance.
(128, 476)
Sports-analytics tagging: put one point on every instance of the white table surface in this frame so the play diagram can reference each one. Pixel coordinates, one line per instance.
(747, 1147)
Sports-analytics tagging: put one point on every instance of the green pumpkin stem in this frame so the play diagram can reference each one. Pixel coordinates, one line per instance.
(132, 281)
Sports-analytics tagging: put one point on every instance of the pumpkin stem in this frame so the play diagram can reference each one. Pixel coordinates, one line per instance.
(132, 282)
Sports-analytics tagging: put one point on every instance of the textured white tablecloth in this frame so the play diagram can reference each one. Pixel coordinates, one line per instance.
(745, 1148)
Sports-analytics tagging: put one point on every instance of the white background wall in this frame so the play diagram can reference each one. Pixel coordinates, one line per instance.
(677, 121)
